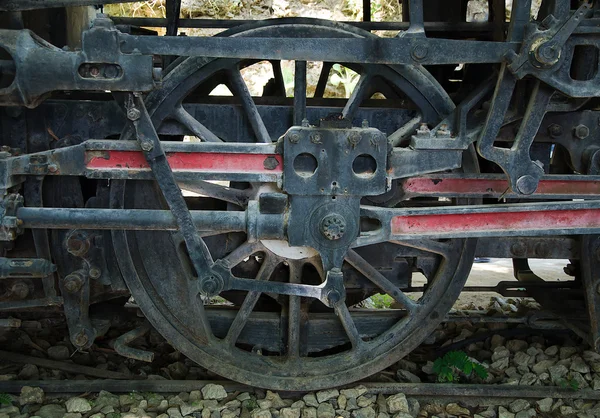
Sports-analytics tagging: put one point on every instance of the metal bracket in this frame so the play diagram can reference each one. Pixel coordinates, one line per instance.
(523, 173)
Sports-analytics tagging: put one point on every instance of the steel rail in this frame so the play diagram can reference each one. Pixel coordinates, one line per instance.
(418, 390)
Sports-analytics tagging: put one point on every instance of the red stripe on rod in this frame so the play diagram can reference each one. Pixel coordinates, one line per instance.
(187, 161)
(495, 221)
(430, 185)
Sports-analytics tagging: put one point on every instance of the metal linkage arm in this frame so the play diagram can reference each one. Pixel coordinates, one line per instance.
(523, 173)
(408, 50)
(522, 219)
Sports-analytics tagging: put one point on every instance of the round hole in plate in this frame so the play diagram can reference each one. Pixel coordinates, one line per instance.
(364, 165)
(305, 164)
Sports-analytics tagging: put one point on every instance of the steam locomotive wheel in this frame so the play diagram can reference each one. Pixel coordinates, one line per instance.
(277, 341)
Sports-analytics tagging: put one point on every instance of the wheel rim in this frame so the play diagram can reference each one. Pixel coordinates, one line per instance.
(183, 319)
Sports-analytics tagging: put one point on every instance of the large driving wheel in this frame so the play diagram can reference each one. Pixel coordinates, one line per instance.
(270, 340)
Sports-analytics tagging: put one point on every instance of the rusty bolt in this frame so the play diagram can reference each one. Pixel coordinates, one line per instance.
(147, 145)
(95, 272)
(555, 130)
(316, 138)
(518, 249)
(133, 114)
(423, 130)
(81, 339)
(78, 244)
(20, 290)
(52, 168)
(354, 138)
(294, 138)
(94, 71)
(581, 131)
(419, 52)
(547, 53)
(73, 282)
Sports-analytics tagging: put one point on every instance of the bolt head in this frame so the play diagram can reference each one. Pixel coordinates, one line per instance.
(81, 339)
(95, 272)
(547, 53)
(526, 184)
(211, 285)
(581, 131)
(133, 114)
(147, 145)
(333, 297)
(555, 130)
(294, 138)
(73, 282)
(419, 52)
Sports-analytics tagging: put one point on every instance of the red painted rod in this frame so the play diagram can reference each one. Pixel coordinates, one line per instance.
(186, 161)
(544, 220)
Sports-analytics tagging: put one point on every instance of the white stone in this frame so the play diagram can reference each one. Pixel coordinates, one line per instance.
(212, 391)
(78, 405)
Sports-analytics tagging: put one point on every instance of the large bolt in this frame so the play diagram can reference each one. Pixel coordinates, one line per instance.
(20, 290)
(294, 138)
(419, 52)
(95, 272)
(81, 339)
(555, 130)
(73, 282)
(518, 249)
(547, 53)
(133, 114)
(211, 285)
(333, 297)
(316, 138)
(581, 131)
(78, 244)
(147, 145)
(333, 226)
(526, 184)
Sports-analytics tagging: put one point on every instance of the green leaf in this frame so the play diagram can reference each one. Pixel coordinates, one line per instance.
(480, 370)
(468, 368)
(5, 399)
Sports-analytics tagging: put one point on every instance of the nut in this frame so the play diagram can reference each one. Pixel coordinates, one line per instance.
(581, 131)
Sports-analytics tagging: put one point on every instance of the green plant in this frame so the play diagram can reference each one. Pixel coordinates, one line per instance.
(5, 399)
(382, 301)
(449, 367)
(568, 383)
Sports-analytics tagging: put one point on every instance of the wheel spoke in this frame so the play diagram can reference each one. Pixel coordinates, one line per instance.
(323, 78)
(190, 122)
(380, 281)
(299, 92)
(241, 90)
(238, 324)
(341, 310)
(428, 245)
(278, 76)
(235, 196)
(357, 96)
(294, 313)
(240, 253)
